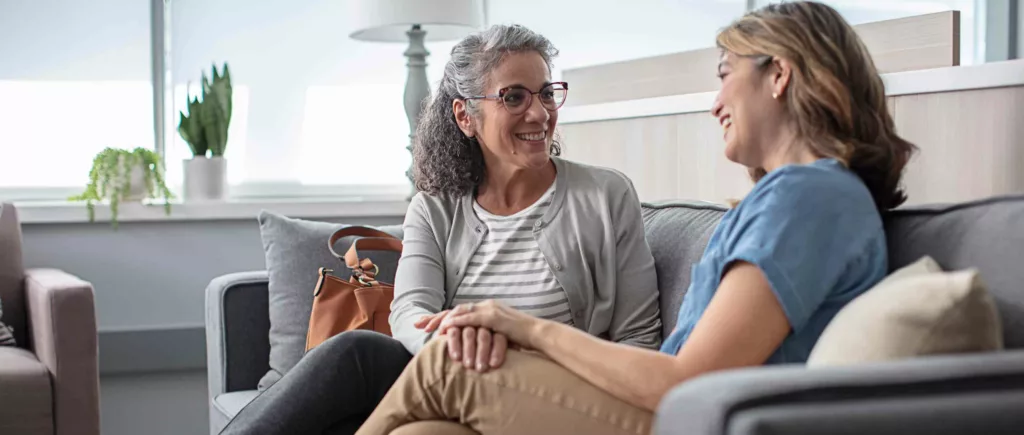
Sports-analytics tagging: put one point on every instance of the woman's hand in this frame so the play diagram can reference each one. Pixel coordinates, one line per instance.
(516, 325)
(482, 349)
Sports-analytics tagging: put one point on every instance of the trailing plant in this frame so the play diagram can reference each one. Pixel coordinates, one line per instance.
(110, 180)
(205, 128)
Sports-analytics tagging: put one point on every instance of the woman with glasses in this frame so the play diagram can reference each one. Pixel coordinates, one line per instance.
(499, 217)
(802, 106)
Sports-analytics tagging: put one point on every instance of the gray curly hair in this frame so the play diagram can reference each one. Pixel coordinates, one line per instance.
(445, 160)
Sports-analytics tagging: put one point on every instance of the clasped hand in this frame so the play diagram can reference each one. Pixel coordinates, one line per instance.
(478, 335)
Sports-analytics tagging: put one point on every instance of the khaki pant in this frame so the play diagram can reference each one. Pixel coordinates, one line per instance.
(529, 394)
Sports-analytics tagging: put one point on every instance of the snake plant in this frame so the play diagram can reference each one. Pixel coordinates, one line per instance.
(205, 128)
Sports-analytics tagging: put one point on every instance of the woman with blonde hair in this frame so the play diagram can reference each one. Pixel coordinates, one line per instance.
(804, 108)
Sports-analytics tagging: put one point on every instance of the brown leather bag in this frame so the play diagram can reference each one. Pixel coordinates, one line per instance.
(361, 302)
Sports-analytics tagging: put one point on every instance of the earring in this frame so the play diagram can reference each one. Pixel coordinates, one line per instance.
(775, 96)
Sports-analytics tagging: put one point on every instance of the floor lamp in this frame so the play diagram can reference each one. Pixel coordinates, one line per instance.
(414, 21)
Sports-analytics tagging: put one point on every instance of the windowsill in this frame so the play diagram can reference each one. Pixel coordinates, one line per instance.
(248, 209)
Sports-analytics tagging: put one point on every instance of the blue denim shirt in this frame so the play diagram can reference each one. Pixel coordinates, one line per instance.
(815, 233)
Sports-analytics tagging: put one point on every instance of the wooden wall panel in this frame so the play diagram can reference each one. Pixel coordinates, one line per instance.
(971, 143)
(971, 146)
(666, 157)
(704, 172)
(912, 43)
(643, 148)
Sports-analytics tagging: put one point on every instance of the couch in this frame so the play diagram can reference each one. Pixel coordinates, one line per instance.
(976, 393)
(49, 383)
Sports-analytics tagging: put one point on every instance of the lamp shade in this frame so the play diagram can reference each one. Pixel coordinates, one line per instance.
(388, 20)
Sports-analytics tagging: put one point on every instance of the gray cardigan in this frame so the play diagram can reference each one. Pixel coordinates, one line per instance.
(592, 237)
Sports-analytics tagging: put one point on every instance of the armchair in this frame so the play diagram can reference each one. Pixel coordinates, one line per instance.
(49, 383)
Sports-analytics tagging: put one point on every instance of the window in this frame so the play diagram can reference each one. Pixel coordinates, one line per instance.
(316, 113)
(313, 108)
(75, 78)
(592, 32)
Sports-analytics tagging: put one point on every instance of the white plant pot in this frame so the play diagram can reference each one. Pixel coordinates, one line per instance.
(206, 179)
(137, 190)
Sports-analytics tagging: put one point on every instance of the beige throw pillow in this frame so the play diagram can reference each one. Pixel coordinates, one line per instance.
(917, 310)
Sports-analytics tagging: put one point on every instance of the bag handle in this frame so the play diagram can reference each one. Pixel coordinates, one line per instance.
(372, 240)
(370, 234)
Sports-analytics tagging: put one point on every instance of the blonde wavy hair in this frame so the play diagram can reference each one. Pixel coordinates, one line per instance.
(835, 96)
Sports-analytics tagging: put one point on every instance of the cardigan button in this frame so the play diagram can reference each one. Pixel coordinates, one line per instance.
(558, 266)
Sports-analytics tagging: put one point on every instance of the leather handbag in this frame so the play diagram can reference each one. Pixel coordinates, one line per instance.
(361, 301)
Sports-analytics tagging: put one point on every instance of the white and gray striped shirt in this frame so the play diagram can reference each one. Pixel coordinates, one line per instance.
(510, 268)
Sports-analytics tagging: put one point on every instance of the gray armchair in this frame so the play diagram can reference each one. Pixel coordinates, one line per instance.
(979, 393)
(237, 342)
(49, 384)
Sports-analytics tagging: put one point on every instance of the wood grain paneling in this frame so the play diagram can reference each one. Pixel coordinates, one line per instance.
(666, 157)
(971, 146)
(672, 74)
(912, 43)
(704, 171)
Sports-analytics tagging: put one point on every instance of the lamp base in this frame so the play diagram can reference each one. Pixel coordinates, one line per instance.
(417, 89)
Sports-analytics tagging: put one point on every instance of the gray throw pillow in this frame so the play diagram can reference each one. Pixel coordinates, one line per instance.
(6, 335)
(294, 250)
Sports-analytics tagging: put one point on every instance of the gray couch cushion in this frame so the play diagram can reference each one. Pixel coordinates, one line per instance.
(986, 234)
(294, 250)
(229, 404)
(677, 233)
(12, 272)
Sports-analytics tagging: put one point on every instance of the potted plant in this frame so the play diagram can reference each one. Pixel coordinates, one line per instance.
(120, 175)
(205, 129)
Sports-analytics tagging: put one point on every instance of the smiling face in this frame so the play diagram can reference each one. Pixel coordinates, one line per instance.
(745, 108)
(518, 140)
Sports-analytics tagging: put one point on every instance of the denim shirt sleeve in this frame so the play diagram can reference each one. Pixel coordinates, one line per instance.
(802, 230)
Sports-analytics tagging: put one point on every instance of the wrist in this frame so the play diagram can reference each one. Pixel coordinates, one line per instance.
(540, 331)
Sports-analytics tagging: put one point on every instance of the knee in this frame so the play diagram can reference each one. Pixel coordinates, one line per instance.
(433, 348)
(432, 357)
(352, 344)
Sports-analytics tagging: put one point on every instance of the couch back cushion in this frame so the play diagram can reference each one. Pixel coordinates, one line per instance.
(986, 234)
(295, 249)
(677, 232)
(12, 271)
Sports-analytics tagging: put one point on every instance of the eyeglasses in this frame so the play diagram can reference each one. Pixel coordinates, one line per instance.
(517, 99)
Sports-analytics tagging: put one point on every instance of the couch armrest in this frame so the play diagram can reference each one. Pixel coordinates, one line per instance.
(62, 333)
(937, 395)
(237, 331)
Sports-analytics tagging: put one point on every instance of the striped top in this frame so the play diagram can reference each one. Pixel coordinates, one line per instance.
(510, 268)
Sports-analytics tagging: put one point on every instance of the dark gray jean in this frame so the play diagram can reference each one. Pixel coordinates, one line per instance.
(332, 389)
